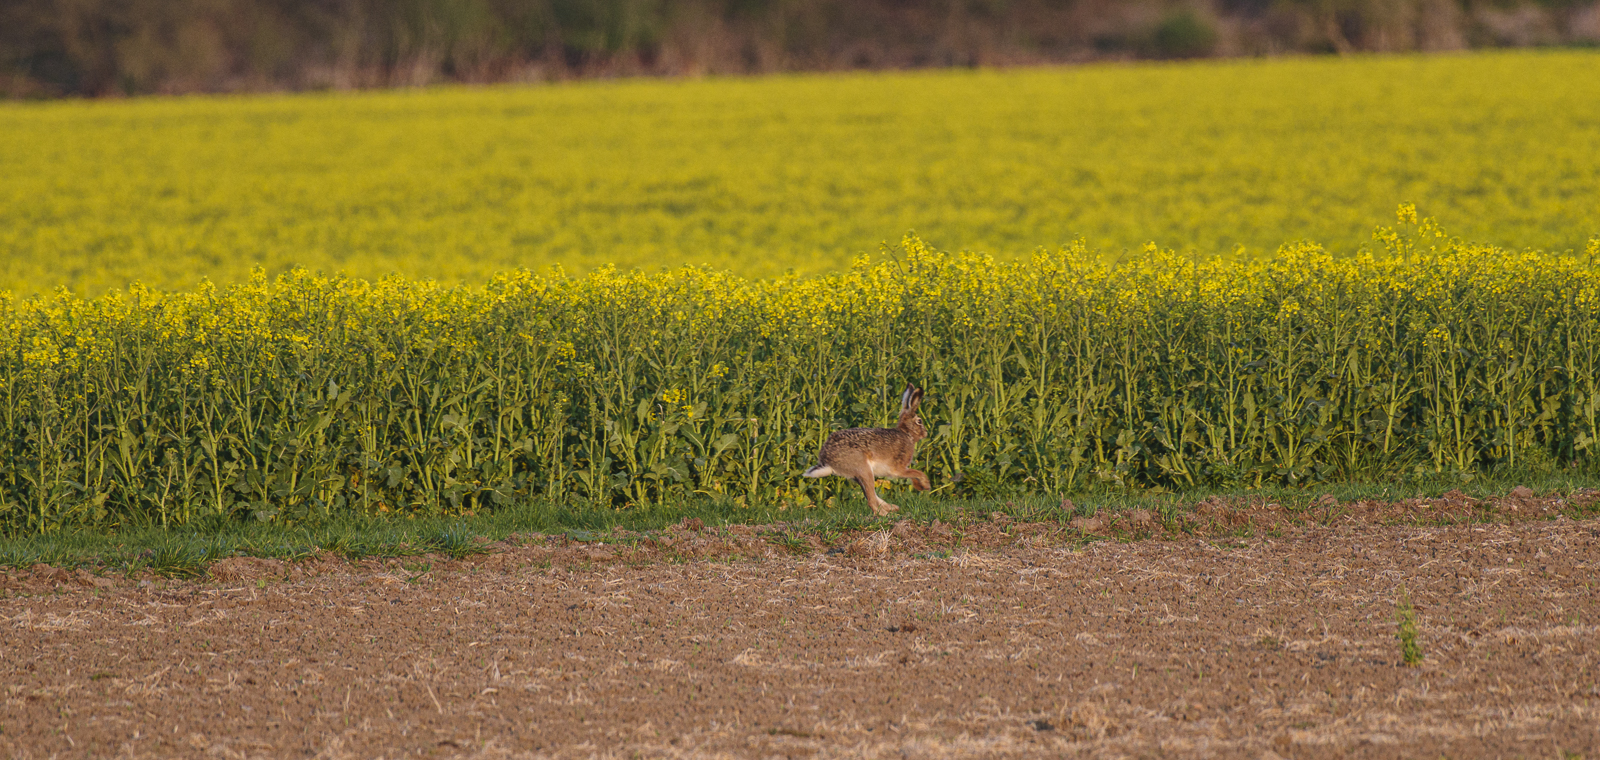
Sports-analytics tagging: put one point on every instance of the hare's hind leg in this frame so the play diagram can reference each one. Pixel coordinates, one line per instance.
(879, 506)
(855, 465)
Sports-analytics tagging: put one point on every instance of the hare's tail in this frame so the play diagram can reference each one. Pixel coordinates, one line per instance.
(820, 471)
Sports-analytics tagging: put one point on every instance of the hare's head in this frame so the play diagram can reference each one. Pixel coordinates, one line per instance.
(910, 422)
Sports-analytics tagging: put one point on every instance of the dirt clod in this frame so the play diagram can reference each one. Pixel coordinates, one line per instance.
(1087, 524)
(246, 569)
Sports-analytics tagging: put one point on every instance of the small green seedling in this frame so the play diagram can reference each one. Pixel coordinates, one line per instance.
(1406, 618)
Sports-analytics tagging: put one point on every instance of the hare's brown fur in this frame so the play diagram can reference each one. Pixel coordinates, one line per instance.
(865, 454)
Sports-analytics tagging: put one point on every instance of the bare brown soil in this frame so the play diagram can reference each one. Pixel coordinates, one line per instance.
(984, 638)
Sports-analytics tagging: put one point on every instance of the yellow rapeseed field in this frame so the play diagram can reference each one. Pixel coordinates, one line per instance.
(303, 396)
(760, 176)
(271, 367)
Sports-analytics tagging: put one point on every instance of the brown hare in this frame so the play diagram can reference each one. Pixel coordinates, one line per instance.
(863, 454)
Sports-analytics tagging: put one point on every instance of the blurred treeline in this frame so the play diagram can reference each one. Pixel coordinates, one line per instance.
(106, 47)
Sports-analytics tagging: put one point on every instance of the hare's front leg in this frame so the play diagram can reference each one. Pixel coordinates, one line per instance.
(918, 478)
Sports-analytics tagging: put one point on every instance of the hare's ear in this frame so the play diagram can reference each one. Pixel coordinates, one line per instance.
(910, 399)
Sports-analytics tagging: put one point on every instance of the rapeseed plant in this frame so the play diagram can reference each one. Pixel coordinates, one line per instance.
(301, 397)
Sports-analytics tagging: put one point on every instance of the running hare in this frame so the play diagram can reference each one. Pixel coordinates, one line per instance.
(861, 454)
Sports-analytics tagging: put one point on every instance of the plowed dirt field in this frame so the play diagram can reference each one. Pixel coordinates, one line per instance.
(988, 638)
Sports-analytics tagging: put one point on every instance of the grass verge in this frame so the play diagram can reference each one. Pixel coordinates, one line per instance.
(1088, 517)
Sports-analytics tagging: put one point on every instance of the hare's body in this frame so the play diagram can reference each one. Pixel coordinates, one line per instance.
(865, 454)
